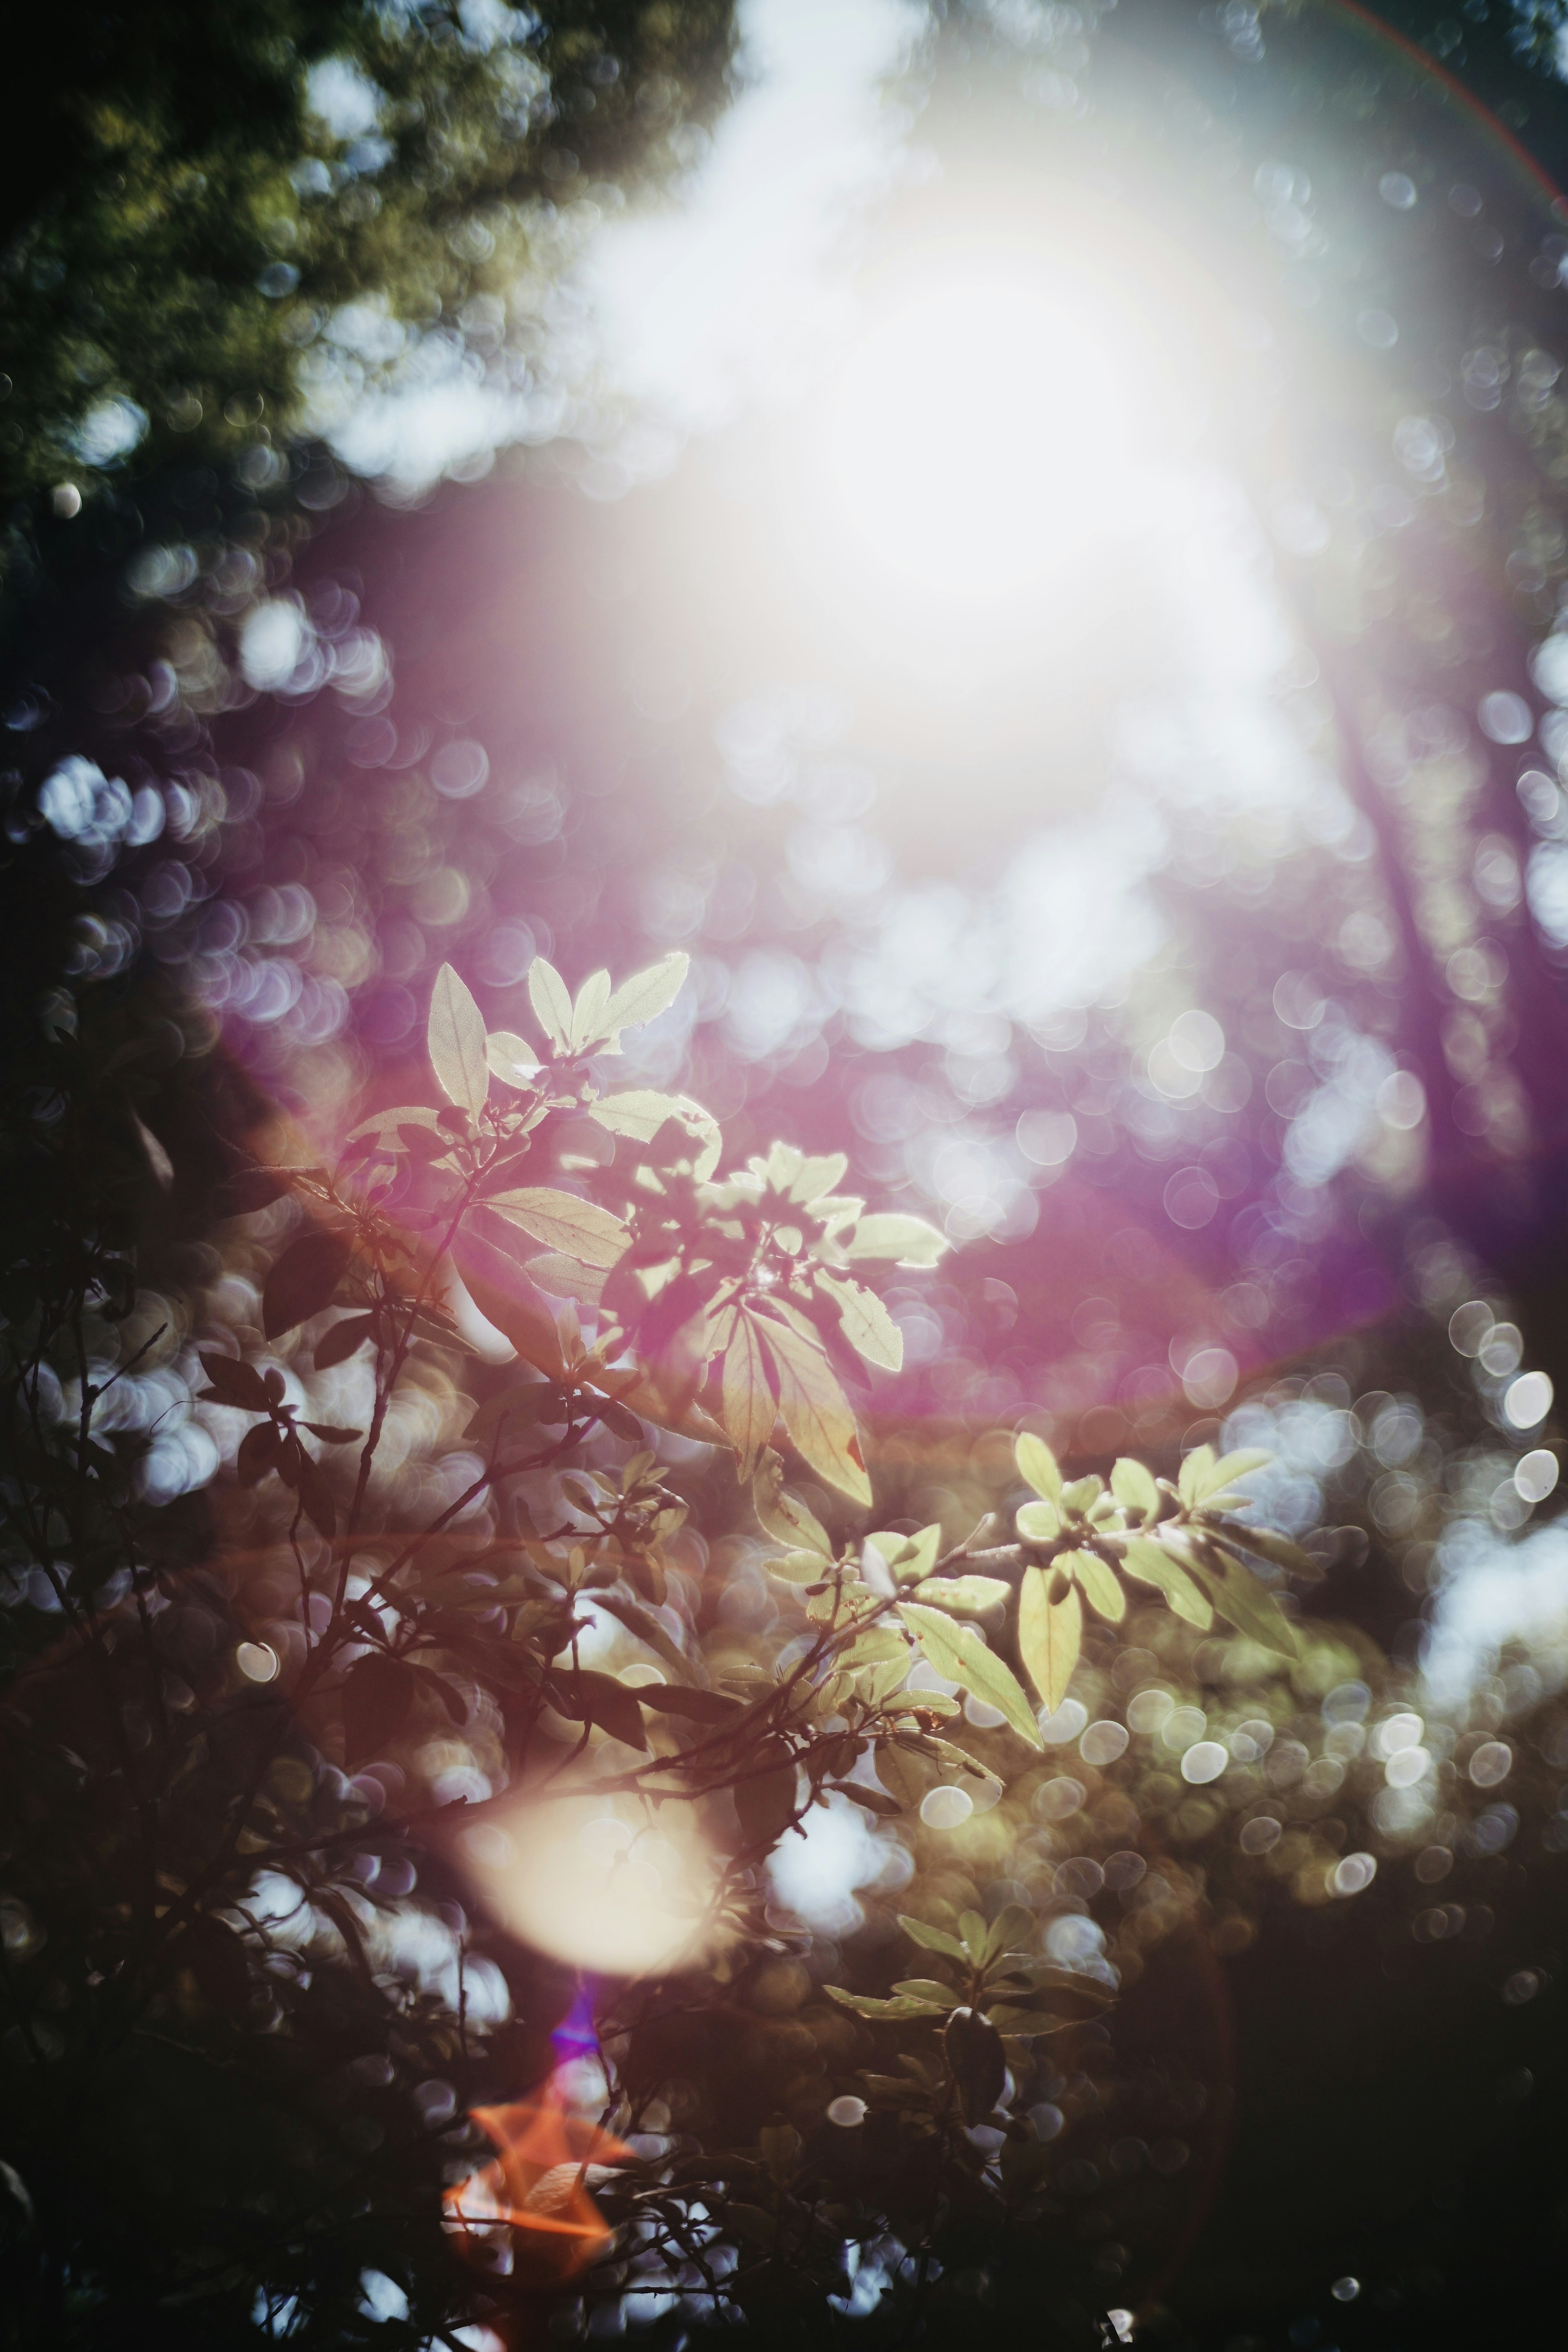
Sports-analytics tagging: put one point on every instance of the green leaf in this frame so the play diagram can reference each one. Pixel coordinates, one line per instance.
(648, 993)
(578, 1228)
(1240, 1464)
(1025, 2021)
(552, 1003)
(903, 2005)
(930, 1940)
(303, 1281)
(1151, 1563)
(782, 1515)
(748, 1407)
(798, 1568)
(864, 1321)
(909, 1557)
(1050, 1634)
(926, 1988)
(1133, 1487)
(1039, 1465)
(967, 1596)
(765, 1800)
(815, 1410)
(1271, 1546)
(1100, 1588)
(1039, 1522)
(514, 1062)
(1241, 1597)
(1196, 1479)
(455, 1038)
(908, 1241)
(959, 1655)
(639, 1113)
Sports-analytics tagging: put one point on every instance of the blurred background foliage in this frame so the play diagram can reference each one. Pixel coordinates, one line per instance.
(1282, 1165)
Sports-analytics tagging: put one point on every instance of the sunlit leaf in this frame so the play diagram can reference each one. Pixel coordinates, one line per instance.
(782, 1514)
(648, 993)
(907, 1241)
(902, 2005)
(1196, 1479)
(1050, 1634)
(748, 1405)
(967, 1596)
(959, 1655)
(513, 1061)
(1133, 1487)
(864, 1321)
(1241, 1597)
(815, 1410)
(551, 1002)
(578, 1228)
(1100, 1588)
(639, 1112)
(1151, 1563)
(587, 1013)
(1232, 1466)
(817, 1176)
(1269, 1545)
(455, 1040)
(1039, 1522)
(1039, 1465)
(930, 1940)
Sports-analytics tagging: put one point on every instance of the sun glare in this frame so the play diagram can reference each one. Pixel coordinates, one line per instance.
(979, 433)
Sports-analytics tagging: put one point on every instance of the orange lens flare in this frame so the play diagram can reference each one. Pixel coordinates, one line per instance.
(536, 2190)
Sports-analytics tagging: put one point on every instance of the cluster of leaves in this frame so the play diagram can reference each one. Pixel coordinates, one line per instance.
(176, 219)
(579, 1241)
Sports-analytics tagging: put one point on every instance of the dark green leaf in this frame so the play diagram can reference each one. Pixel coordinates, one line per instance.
(976, 2060)
(599, 1699)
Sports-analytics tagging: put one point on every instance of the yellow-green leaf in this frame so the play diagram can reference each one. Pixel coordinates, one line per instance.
(1039, 1522)
(1240, 1464)
(562, 1222)
(864, 1321)
(1039, 1465)
(1133, 1487)
(587, 1013)
(455, 1041)
(1100, 1588)
(1151, 1563)
(748, 1405)
(815, 1410)
(959, 1655)
(1050, 1634)
(782, 1514)
(1196, 1479)
(965, 1596)
(1242, 1598)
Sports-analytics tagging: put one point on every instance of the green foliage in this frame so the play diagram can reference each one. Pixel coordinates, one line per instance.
(719, 1310)
(179, 224)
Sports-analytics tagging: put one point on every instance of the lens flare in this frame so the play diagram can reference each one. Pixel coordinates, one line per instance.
(577, 1880)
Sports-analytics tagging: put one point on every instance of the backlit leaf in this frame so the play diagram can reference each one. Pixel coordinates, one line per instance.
(648, 993)
(930, 1940)
(1151, 1563)
(1232, 1466)
(1039, 1522)
(1133, 1487)
(1241, 1597)
(782, 1514)
(907, 1241)
(1196, 1479)
(1100, 1588)
(815, 1410)
(1050, 1634)
(552, 1003)
(587, 1013)
(578, 1228)
(749, 1408)
(959, 1655)
(1039, 1465)
(455, 1041)
(902, 2005)
(864, 1321)
(513, 1061)
(967, 1596)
